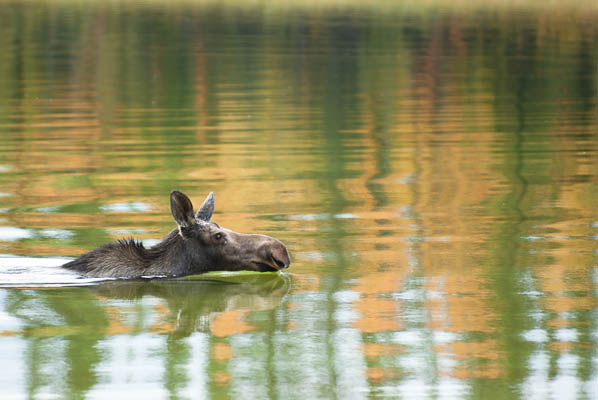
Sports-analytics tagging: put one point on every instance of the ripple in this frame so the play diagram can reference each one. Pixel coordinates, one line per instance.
(122, 231)
(566, 335)
(11, 233)
(21, 272)
(61, 234)
(535, 335)
(133, 206)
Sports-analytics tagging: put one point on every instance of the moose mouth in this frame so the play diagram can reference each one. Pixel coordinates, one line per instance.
(263, 267)
(272, 263)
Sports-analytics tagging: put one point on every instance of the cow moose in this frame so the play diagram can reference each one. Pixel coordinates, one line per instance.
(196, 246)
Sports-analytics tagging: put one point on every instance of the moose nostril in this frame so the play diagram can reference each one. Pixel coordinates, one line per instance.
(280, 264)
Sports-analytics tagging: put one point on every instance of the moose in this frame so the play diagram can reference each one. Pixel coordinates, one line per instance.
(196, 246)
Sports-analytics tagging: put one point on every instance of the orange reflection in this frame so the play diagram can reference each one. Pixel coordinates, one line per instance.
(375, 350)
(221, 351)
(221, 377)
(229, 323)
(378, 315)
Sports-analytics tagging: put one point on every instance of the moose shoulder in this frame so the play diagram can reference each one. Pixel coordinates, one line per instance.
(196, 246)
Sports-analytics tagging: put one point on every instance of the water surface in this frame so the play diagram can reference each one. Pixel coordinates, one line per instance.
(432, 168)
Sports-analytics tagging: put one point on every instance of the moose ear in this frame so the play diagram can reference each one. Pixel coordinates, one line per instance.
(207, 208)
(182, 210)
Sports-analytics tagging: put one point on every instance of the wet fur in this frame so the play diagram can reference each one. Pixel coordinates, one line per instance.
(130, 259)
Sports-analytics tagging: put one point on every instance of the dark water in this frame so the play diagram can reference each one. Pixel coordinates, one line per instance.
(433, 171)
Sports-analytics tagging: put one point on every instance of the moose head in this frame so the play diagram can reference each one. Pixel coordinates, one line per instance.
(208, 243)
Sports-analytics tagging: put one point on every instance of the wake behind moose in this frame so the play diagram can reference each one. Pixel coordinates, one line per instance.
(196, 246)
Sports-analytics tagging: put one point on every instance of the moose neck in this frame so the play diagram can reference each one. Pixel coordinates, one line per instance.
(169, 257)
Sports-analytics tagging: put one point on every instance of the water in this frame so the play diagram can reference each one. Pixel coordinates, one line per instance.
(432, 168)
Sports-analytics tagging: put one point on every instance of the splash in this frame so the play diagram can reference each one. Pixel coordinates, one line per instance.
(30, 272)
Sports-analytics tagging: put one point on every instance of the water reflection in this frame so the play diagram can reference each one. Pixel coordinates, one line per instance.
(433, 172)
(86, 330)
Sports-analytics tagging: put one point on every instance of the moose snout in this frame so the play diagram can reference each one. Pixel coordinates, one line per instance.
(273, 254)
(280, 257)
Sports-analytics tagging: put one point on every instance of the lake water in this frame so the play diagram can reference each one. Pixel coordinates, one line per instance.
(432, 168)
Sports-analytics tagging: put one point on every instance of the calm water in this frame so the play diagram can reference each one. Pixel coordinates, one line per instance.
(433, 171)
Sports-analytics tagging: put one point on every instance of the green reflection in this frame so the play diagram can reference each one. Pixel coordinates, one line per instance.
(68, 326)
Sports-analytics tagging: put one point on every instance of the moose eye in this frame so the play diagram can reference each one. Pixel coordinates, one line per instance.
(218, 236)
